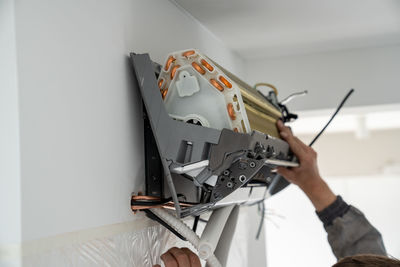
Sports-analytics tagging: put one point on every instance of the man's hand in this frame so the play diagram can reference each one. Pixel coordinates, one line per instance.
(306, 176)
(180, 257)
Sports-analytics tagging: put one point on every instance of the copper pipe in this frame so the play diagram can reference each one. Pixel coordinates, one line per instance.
(164, 93)
(188, 53)
(160, 83)
(207, 65)
(139, 207)
(225, 81)
(145, 198)
(217, 85)
(168, 205)
(198, 68)
(173, 71)
(169, 62)
(231, 111)
(251, 96)
(268, 85)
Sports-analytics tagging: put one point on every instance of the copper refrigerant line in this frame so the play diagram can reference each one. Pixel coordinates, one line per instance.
(200, 68)
(140, 202)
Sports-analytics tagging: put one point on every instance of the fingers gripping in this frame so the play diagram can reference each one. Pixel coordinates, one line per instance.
(287, 173)
(194, 259)
(169, 260)
(183, 257)
(294, 143)
(180, 256)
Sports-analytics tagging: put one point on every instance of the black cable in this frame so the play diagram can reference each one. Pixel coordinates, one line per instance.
(261, 202)
(202, 220)
(154, 217)
(333, 116)
(148, 202)
(196, 221)
(262, 219)
(197, 218)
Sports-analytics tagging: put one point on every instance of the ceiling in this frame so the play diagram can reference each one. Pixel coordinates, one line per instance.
(273, 28)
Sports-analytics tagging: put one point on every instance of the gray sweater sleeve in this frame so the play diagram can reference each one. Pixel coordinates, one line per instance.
(349, 232)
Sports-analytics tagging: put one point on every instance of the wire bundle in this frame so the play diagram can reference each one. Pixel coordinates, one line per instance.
(140, 202)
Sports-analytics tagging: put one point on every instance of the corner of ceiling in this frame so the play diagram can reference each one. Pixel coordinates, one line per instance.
(189, 15)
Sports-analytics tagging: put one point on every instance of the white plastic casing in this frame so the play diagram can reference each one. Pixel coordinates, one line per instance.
(196, 91)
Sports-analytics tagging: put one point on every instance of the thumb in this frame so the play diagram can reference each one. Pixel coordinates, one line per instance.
(285, 172)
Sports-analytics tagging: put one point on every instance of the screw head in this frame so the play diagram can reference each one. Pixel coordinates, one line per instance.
(242, 178)
(252, 164)
(242, 165)
(226, 172)
(229, 184)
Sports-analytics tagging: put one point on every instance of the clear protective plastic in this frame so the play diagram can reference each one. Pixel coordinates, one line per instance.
(138, 247)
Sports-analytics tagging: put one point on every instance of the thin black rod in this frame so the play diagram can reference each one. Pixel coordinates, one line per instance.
(196, 221)
(333, 116)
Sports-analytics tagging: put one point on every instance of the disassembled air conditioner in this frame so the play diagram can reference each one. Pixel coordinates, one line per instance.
(210, 139)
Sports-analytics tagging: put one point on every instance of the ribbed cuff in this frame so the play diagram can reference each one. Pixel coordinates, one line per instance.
(337, 209)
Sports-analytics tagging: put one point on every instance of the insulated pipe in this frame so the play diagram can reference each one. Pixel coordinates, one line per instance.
(186, 232)
(225, 241)
(212, 232)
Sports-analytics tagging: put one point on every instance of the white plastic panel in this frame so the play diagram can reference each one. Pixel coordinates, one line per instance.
(197, 91)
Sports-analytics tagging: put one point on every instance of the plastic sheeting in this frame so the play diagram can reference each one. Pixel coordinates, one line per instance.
(141, 248)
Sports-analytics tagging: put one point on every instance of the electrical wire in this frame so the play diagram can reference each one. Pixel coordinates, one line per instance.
(203, 220)
(292, 96)
(261, 204)
(262, 219)
(195, 223)
(141, 202)
(333, 116)
(268, 85)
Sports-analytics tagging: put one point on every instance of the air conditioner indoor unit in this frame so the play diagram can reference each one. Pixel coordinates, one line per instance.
(211, 143)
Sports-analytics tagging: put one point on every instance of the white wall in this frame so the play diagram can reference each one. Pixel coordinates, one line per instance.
(296, 237)
(372, 72)
(80, 113)
(10, 227)
(343, 154)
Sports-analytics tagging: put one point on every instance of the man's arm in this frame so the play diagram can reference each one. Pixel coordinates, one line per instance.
(349, 232)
